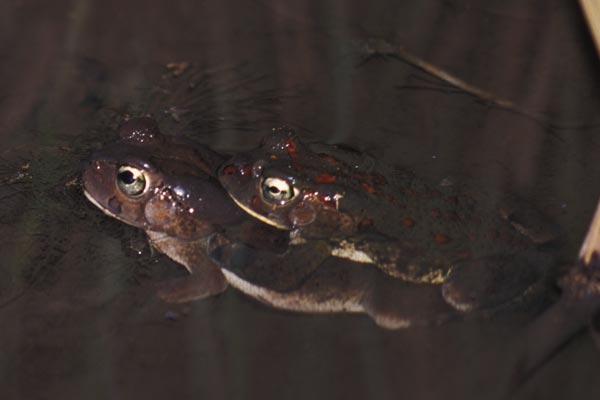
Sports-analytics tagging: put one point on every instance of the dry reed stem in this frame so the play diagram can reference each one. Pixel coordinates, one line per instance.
(591, 11)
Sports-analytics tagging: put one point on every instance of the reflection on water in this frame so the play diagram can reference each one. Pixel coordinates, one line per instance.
(85, 318)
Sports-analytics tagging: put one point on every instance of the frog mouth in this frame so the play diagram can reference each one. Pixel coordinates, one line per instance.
(101, 207)
(258, 216)
(348, 250)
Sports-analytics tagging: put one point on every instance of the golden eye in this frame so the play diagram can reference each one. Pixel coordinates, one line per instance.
(277, 190)
(131, 180)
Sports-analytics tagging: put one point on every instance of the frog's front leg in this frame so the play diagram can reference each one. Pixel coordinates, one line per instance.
(263, 267)
(307, 278)
(206, 277)
(303, 278)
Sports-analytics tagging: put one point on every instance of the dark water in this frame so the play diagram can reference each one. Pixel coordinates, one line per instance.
(79, 318)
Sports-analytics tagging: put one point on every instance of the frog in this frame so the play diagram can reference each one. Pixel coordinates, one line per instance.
(482, 251)
(160, 184)
(168, 187)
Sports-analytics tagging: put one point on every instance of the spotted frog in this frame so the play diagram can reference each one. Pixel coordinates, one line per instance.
(168, 187)
(484, 251)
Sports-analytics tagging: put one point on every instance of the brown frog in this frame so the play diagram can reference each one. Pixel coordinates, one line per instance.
(162, 185)
(480, 250)
(167, 187)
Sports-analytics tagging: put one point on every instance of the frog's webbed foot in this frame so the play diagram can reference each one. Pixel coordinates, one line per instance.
(395, 304)
(529, 221)
(206, 277)
(489, 282)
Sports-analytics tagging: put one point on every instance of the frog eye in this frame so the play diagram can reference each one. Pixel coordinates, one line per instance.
(131, 180)
(277, 190)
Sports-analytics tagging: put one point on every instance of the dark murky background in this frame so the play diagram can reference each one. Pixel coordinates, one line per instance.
(79, 317)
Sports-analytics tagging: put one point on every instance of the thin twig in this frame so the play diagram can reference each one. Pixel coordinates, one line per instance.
(591, 10)
(380, 48)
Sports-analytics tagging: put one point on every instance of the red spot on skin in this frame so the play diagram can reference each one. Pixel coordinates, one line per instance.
(245, 170)
(365, 223)
(408, 222)
(375, 178)
(393, 200)
(292, 149)
(369, 188)
(329, 158)
(325, 178)
(441, 238)
(326, 200)
(239, 170)
(329, 201)
(379, 179)
(435, 213)
(361, 175)
(229, 170)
